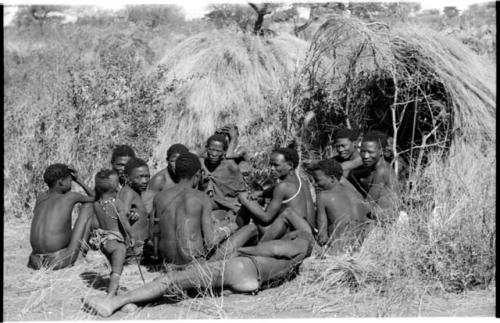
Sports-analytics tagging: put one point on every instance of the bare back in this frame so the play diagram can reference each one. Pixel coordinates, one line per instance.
(108, 220)
(343, 206)
(180, 212)
(51, 225)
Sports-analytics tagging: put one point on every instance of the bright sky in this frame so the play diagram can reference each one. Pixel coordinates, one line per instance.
(197, 8)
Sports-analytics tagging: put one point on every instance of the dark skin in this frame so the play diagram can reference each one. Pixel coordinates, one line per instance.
(51, 226)
(339, 207)
(164, 179)
(238, 273)
(118, 165)
(134, 196)
(380, 179)
(186, 229)
(348, 156)
(288, 186)
(215, 158)
(114, 250)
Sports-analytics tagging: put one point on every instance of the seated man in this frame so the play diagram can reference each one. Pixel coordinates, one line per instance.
(341, 213)
(344, 143)
(114, 231)
(377, 177)
(166, 178)
(135, 198)
(290, 193)
(235, 151)
(186, 230)
(55, 245)
(222, 180)
(120, 156)
(250, 270)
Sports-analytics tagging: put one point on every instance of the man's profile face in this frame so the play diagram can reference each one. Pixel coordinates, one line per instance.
(344, 147)
(139, 178)
(215, 151)
(370, 153)
(279, 166)
(323, 182)
(171, 162)
(119, 166)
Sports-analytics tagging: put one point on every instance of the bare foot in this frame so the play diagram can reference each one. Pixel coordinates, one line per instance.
(101, 305)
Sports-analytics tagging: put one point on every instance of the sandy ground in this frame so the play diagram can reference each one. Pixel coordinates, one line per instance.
(45, 295)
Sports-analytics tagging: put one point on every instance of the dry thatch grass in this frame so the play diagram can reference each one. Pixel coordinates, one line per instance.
(420, 86)
(228, 77)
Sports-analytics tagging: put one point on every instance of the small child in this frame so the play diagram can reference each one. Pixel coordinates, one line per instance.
(55, 244)
(115, 232)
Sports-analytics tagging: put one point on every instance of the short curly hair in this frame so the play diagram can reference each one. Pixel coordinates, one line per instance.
(376, 136)
(122, 151)
(55, 172)
(134, 163)
(290, 155)
(176, 149)
(219, 138)
(102, 182)
(330, 167)
(350, 134)
(186, 165)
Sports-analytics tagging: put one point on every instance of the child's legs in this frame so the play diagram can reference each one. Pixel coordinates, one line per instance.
(116, 251)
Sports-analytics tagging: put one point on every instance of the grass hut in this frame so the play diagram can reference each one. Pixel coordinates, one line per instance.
(420, 86)
(225, 77)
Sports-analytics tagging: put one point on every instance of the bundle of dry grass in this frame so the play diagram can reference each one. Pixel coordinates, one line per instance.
(424, 88)
(226, 77)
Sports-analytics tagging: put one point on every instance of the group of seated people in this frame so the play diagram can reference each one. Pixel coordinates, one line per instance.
(199, 215)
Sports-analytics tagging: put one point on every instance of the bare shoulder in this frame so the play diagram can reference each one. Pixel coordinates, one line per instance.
(158, 179)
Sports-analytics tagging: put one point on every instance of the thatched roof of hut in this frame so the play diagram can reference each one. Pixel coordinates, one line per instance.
(225, 77)
(440, 90)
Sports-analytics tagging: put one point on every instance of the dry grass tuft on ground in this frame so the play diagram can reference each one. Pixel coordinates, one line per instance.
(227, 77)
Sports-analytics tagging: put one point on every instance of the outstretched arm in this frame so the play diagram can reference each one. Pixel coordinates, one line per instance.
(257, 212)
(76, 179)
(212, 237)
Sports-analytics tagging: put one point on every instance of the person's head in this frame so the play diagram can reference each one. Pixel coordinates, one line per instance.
(188, 167)
(225, 131)
(137, 171)
(216, 148)
(119, 158)
(283, 161)
(372, 147)
(106, 181)
(172, 153)
(58, 176)
(326, 173)
(344, 143)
